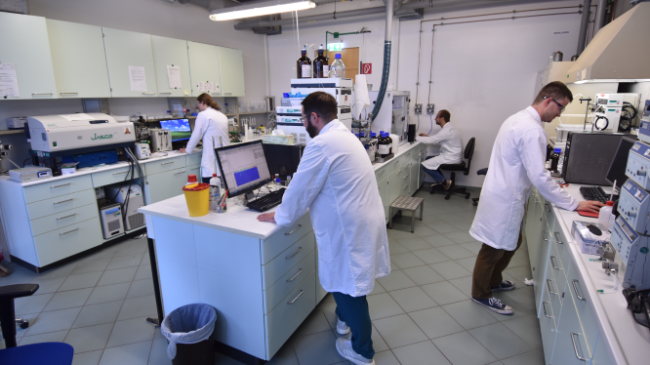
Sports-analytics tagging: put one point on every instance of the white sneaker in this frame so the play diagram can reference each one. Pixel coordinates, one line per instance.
(342, 328)
(344, 347)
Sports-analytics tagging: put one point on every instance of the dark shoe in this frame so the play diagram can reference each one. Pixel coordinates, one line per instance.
(494, 305)
(504, 286)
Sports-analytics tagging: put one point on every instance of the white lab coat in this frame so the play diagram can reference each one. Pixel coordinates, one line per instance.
(210, 124)
(336, 181)
(451, 147)
(517, 162)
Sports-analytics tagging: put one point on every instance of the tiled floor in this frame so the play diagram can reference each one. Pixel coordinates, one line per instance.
(422, 313)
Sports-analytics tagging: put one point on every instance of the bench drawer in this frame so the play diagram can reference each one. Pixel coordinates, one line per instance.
(287, 259)
(193, 159)
(61, 204)
(114, 176)
(156, 167)
(284, 238)
(68, 241)
(56, 188)
(64, 219)
(288, 282)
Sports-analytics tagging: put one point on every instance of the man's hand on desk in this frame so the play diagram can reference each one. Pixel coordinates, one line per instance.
(590, 206)
(182, 150)
(423, 135)
(266, 217)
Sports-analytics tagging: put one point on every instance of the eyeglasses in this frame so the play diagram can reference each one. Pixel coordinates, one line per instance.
(303, 119)
(562, 107)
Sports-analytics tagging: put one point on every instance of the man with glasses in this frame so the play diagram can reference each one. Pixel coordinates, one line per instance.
(336, 182)
(451, 148)
(517, 163)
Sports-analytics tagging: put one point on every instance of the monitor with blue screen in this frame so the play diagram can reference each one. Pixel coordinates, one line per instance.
(179, 128)
(243, 167)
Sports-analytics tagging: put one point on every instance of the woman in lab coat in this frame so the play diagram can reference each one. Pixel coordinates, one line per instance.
(211, 126)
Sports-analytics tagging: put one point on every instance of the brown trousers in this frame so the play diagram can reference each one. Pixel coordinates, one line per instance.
(488, 269)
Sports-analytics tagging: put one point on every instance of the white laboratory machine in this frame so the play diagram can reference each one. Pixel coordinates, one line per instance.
(638, 164)
(393, 115)
(133, 203)
(111, 217)
(161, 140)
(339, 88)
(634, 205)
(16, 122)
(609, 108)
(644, 128)
(141, 151)
(633, 249)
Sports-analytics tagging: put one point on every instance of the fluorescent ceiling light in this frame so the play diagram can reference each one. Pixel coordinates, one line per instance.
(259, 9)
(598, 81)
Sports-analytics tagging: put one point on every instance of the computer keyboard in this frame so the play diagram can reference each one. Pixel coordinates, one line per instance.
(595, 193)
(268, 201)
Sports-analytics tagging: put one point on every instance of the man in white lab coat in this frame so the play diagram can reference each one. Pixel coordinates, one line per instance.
(451, 148)
(517, 163)
(336, 182)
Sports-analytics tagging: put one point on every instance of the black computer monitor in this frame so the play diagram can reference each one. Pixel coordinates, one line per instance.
(283, 159)
(243, 167)
(588, 156)
(179, 128)
(617, 168)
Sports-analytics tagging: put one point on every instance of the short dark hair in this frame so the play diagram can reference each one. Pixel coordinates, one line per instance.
(556, 90)
(444, 114)
(323, 104)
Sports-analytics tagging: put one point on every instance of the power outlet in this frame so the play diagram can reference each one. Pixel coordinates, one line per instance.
(418, 109)
(430, 109)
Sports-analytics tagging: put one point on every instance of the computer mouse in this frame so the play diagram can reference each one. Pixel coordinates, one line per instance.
(595, 230)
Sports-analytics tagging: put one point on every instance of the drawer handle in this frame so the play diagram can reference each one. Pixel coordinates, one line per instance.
(548, 286)
(575, 347)
(120, 173)
(168, 93)
(64, 201)
(59, 186)
(70, 231)
(553, 263)
(537, 201)
(575, 288)
(195, 169)
(67, 216)
(70, 93)
(149, 93)
(557, 238)
(295, 276)
(180, 172)
(294, 254)
(289, 233)
(547, 207)
(41, 94)
(544, 234)
(167, 163)
(296, 298)
(544, 308)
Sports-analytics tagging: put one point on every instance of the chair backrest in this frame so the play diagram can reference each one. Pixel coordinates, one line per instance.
(469, 152)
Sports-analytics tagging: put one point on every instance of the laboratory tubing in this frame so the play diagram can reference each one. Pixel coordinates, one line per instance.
(338, 67)
(303, 65)
(320, 68)
(605, 214)
(215, 192)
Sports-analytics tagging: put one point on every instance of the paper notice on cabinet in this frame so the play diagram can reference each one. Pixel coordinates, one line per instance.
(213, 87)
(138, 78)
(174, 77)
(8, 81)
(202, 86)
(77, 116)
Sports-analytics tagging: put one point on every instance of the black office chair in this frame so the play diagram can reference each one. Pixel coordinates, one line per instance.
(479, 172)
(462, 166)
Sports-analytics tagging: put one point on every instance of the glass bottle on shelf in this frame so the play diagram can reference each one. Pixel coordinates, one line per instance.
(321, 66)
(303, 65)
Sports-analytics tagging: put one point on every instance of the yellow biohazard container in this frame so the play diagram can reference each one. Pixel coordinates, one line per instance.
(197, 197)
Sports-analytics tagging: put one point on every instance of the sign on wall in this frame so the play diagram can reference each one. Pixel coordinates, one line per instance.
(335, 47)
(366, 68)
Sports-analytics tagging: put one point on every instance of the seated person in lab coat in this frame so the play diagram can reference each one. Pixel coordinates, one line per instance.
(451, 148)
(517, 163)
(336, 182)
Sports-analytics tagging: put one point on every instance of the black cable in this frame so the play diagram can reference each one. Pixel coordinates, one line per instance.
(27, 159)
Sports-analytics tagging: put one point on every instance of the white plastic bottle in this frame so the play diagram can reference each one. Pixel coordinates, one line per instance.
(338, 67)
(605, 213)
(215, 192)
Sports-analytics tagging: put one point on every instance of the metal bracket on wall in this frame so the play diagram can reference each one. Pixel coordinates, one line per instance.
(430, 109)
(417, 109)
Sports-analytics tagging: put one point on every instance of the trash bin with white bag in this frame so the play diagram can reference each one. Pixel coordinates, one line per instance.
(189, 329)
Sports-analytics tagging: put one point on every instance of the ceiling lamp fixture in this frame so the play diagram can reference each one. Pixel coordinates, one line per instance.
(260, 9)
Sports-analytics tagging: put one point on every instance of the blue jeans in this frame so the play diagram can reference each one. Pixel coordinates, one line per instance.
(354, 312)
(435, 174)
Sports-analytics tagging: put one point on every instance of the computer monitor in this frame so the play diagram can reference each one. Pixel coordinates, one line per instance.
(243, 167)
(179, 128)
(617, 168)
(283, 159)
(588, 156)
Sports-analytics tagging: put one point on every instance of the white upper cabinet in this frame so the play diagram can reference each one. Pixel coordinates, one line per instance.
(204, 68)
(232, 72)
(171, 52)
(25, 59)
(130, 63)
(79, 60)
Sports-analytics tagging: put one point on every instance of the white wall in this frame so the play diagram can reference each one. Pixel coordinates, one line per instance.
(482, 72)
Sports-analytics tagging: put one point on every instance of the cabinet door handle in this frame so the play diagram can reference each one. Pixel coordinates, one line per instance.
(295, 276)
(289, 233)
(165, 93)
(71, 93)
(67, 216)
(294, 254)
(59, 186)
(575, 347)
(547, 207)
(575, 288)
(548, 286)
(553, 263)
(180, 172)
(42, 94)
(537, 201)
(296, 298)
(557, 238)
(70, 231)
(227, 93)
(149, 93)
(64, 201)
(544, 234)
(166, 163)
(120, 173)
(544, 308)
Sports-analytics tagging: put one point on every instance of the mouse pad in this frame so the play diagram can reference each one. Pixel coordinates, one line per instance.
(585, 213)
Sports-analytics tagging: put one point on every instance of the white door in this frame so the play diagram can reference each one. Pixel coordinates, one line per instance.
(130, 63)
(25, 49)
(166, 185)
(204, 68)
(232, 72)
(79, 60)
(171, 52)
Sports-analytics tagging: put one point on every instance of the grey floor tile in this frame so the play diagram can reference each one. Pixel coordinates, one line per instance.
(435, 322)
(431, 256)
(412, 299)
(524, 296)
(382, 305)
(420, 353)
(80, 281)
(95, 314)
(129, 248)
(378, 343)
(467, 263)
(469, 314)
(225, 360)
(423, 230)
(377, 289)
(285, 356)
(473, 247)
(316, 322)
(406, 260)
(32, 304)
(442, 227)
(413, 244)
(399, 331)
(317, 349)
(500, 341)
(519, 282)
(109, 293)
(328, 306)
(158, 354)
(53, 321)
(106, 253)
(46, 337)
(438, 240)
(456, 252)
(396, 247)
(130, 331)
(48, 285)
(138, 307)
(68, 299)
(140, 288)
(89, 338)
(134, 354)
(423, 275)
(463, 349)
(117, 276)
(450, 270)
(518, 308)
(385, 358)
(444, 293)
(460, 237)
(396, 280)
(520, 272)
(59, 271)
(534, 357)
(463, 225)
(397, 234)
(496, 363)
(120, 262)
(91, 265)
(87, 358)
(463, 284)
(527, 328)
(144, 272)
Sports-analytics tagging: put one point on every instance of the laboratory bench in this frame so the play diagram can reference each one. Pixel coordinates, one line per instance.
(578, 325)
